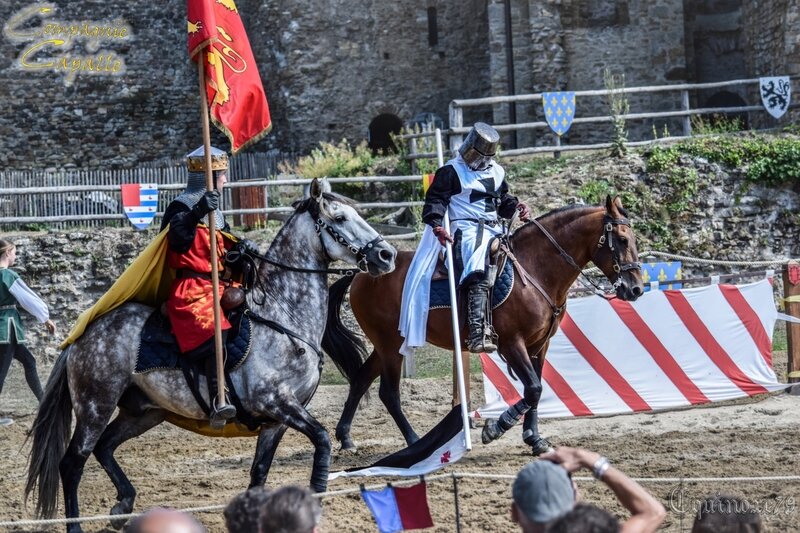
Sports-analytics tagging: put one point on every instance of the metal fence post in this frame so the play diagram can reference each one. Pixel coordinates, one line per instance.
(456, 121)
(687, 121)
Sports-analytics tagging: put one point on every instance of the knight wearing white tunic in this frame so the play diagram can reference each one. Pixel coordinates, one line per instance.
(472, 190)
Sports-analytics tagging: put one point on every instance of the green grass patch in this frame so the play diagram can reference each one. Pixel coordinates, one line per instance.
(431, 362)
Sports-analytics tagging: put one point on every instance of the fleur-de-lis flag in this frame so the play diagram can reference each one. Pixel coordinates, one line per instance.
(559, 110)
(236, 96)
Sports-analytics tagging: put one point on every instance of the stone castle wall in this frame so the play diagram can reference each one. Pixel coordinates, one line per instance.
(330, 70)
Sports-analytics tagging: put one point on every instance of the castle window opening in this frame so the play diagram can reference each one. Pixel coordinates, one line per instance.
(433, 27)
(380, 133)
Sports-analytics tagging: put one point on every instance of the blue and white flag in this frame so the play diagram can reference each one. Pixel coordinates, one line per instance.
(776, 93)
(559, 110)
(140, 201)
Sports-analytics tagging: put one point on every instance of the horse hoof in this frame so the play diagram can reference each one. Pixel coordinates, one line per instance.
(122, 507)
(540, 446)
(351, 450)
(490, 432)
(348, 445)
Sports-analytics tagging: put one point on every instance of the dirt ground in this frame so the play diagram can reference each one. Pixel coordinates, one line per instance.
(171, 467)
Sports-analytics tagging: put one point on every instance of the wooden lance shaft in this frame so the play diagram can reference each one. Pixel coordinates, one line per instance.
(791, 292)
(212, 225)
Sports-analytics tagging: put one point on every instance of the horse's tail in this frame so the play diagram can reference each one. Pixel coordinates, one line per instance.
(344, 347)
(51, 433)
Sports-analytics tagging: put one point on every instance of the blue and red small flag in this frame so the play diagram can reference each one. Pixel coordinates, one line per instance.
(399, 508)
(140, 201)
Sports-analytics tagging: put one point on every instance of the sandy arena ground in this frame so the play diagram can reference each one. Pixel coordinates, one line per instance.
(168, 466)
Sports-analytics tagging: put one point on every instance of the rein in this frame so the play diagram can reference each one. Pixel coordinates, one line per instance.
(606, 239)
(319, 225)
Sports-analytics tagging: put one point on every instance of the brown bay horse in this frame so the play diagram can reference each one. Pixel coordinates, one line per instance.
(549, 254)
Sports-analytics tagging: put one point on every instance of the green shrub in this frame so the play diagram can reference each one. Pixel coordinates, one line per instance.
(595, 191)
(778, 163)
(769, 160)
(683, 185)
(333, 161)
(662, 158)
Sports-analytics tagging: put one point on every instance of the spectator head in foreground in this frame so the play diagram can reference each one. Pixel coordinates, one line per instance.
(585, 518)
(242, 512)
(290, 509)
(726, 514)
(160, 520)
(542, 492)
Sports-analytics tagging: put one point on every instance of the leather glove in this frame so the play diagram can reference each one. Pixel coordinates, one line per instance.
(524, 211)
(246, 245)
(209, 202)
(443, 235)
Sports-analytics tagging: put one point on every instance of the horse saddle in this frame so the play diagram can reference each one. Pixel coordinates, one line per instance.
(158, 348)
(440, 291)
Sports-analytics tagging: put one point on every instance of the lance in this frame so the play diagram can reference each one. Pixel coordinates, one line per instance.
(451, 281)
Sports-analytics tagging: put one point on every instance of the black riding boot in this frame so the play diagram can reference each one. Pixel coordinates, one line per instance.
(219, 415)
(481, 334)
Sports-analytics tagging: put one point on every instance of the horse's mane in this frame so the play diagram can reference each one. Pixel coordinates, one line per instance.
(559, 212)
(301, 206)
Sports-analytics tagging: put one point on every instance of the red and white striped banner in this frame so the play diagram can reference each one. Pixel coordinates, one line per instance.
(668, 349)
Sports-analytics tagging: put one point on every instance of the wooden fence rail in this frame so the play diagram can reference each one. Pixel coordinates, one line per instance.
(457, 128)
(100, 203)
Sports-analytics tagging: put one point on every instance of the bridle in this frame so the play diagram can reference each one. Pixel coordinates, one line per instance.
(607, 238)
(313, 209)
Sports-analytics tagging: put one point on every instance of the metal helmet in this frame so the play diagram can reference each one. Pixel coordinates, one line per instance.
(480, 146)
(196, 182)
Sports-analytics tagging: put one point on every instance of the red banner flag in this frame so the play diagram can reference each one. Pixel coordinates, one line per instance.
(235, 93)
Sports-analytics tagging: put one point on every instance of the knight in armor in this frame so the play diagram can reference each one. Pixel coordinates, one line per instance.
(190, 306)
(472, 189)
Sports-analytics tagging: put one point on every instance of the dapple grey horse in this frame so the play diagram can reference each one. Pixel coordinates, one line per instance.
(95, 375)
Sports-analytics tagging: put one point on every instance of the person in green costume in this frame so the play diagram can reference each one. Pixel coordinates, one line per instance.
(13, 293)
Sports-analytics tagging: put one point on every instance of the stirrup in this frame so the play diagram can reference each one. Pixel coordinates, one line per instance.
(482, 345)
(220, 415)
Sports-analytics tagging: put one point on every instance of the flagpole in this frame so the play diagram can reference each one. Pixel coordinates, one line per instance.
(462, 393)
(212, 224)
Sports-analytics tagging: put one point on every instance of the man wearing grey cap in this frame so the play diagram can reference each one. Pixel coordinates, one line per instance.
(543, 491)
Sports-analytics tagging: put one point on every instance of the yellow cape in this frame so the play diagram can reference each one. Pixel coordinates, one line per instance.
(147, 280)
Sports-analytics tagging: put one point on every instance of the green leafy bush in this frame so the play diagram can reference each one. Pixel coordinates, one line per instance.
(662, 158)
(683, 185)
(769, 160)
(333, 161)
(779, 162)
(595, 191)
